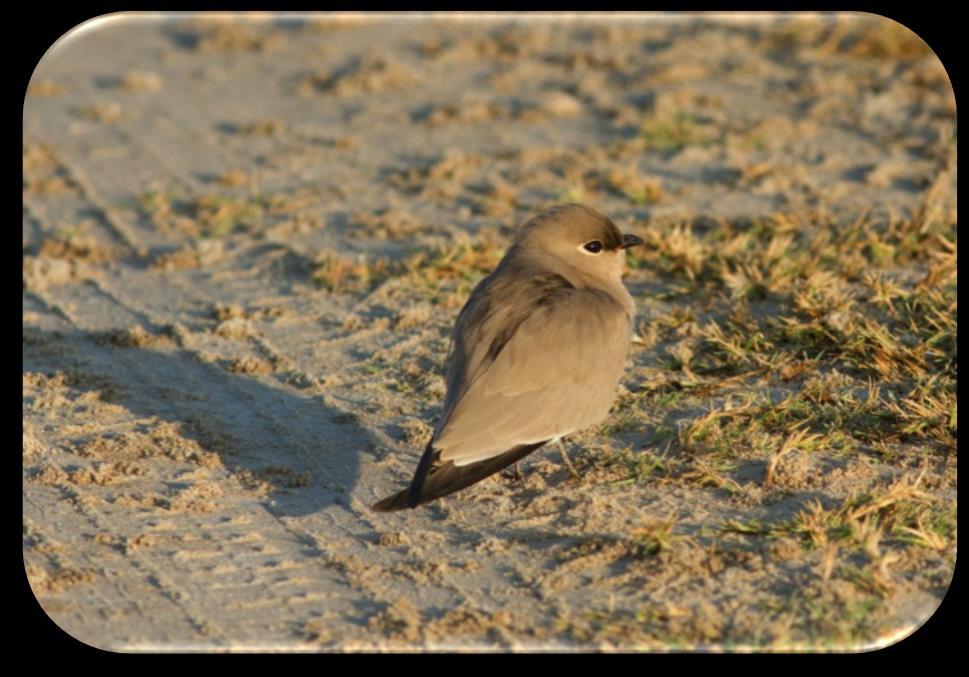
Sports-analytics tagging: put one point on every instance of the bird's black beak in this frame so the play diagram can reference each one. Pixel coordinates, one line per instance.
(630, 241)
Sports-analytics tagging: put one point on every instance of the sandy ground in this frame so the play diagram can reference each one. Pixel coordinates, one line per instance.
(245, 243)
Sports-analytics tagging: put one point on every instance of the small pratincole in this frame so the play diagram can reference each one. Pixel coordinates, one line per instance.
(537, 353)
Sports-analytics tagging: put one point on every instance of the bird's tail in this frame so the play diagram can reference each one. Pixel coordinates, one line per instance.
(434, 479)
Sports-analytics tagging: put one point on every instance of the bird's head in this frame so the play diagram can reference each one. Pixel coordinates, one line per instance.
(576, 241)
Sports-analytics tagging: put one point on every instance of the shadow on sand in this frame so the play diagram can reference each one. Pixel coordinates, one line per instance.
(248, 422)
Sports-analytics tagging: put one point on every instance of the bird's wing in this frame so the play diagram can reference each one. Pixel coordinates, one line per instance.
(493, 313)
(551, 367)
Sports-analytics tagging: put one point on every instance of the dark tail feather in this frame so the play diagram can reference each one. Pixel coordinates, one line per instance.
(447, 478)
(409, 497)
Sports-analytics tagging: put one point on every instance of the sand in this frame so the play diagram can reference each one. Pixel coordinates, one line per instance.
(245, 241)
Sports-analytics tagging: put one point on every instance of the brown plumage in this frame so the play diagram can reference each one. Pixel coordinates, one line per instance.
(537, 352)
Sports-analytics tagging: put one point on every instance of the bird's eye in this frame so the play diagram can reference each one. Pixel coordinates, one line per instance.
(593, 247)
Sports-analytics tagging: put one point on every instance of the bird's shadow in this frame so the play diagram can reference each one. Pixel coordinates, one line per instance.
(307, 452)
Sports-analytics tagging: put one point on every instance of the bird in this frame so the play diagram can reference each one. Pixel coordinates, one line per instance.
(537, 352)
